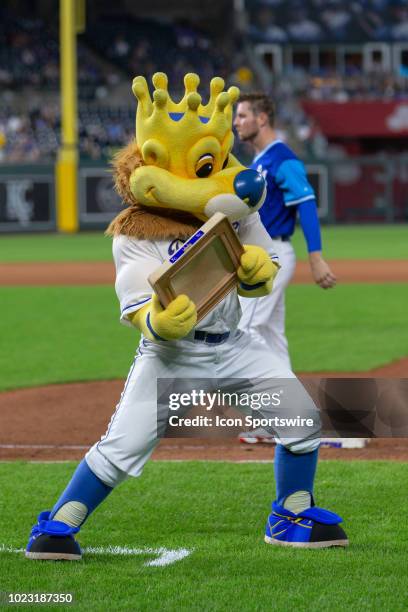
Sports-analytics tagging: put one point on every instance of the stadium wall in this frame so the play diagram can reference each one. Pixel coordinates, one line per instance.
(348, 191)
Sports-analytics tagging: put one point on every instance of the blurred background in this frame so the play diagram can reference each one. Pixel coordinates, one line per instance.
(337, 70)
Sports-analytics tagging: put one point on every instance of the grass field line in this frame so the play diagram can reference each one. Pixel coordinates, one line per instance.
(165, 556)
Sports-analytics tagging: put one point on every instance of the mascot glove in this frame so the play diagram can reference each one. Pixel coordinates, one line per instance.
(256, 267)
(173, 322)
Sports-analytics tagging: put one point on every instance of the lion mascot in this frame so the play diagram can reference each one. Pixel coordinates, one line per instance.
(174, 176)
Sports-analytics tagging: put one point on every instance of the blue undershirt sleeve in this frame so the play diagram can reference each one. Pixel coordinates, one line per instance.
(310, 225)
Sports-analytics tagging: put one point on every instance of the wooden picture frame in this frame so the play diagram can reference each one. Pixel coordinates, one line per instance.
(204, 268)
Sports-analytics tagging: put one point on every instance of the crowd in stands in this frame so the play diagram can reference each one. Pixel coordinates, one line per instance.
(335, 87)
(29, 58)
(35, 135)
(297, 21)
(338, 88)
(145, 47)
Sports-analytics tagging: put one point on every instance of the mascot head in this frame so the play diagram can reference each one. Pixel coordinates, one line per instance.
(184, 152)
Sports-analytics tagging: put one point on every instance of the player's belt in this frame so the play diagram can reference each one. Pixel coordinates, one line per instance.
(283, 238)
(203, 336)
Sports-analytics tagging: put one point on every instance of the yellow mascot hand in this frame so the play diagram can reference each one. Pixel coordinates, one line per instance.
(175, 321)
(171, 323)
(256, 272)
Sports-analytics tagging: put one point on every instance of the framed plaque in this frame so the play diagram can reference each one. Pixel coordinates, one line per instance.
(204, 268)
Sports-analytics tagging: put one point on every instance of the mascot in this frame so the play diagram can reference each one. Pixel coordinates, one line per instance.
(176, 174)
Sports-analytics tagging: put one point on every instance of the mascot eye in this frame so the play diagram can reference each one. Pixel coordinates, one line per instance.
(204, 166)
(225, 164)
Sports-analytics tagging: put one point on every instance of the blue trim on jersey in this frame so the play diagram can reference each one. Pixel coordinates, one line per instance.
(151, 330)
(310, 225)
(135, 304)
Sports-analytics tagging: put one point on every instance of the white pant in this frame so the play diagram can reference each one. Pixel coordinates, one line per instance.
(132, 433)
(264, 318)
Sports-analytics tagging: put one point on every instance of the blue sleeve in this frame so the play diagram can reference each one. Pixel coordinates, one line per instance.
(292, 180)
(310, 225)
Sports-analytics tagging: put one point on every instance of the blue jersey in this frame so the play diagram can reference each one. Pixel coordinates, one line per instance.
(287, 188)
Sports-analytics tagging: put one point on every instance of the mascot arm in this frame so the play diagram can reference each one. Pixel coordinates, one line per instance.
(172, 323)
(256, 272)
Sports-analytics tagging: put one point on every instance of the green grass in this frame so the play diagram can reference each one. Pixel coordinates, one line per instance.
(217, 511)
(65, 334)
(62, 334)
(359, 242)
(339, 242)
(350, 328)
(56, 247)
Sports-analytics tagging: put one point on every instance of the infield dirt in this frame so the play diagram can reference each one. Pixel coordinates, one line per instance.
(99, 273)
(59, 422)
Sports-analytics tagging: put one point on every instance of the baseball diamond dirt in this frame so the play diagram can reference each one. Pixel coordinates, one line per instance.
(77, 414)
(98, 273)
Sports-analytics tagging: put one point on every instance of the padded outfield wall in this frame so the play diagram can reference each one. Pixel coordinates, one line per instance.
(348, 191)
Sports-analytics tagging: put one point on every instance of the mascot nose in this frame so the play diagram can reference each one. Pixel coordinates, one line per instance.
(249, 185)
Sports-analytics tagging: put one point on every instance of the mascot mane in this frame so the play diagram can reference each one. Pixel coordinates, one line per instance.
(139, 221)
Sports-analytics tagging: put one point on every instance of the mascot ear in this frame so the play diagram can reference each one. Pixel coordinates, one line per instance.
(155, 154)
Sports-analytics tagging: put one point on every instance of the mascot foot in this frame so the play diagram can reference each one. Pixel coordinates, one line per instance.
(53, 540)
(312, 528)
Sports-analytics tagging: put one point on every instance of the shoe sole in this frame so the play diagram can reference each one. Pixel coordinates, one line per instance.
(52, 556)
(328, 544)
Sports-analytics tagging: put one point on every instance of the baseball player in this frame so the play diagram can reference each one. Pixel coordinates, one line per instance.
(182, 162)
(289, 194)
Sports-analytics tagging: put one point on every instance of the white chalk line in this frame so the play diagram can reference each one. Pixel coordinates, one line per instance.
(46, 446)
(165, 556)
(230, 461)
(82, 448)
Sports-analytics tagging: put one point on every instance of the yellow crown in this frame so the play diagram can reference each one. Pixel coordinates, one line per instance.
(178, 125)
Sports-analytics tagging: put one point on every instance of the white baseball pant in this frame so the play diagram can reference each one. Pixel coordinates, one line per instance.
(132, 432)
(264, 318)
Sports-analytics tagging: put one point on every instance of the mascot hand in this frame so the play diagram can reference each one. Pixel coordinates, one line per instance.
(173, 322)
(256, 272)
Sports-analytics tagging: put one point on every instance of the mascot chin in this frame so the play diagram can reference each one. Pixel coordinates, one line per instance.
(177, 173)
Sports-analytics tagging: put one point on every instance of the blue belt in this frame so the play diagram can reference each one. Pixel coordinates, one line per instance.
(283, 238)
(203, 336)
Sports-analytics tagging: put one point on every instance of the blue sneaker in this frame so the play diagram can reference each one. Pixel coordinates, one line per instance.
(53, 540)
(312, 528)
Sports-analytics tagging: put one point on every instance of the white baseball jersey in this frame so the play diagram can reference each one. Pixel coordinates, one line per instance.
(136, 259)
